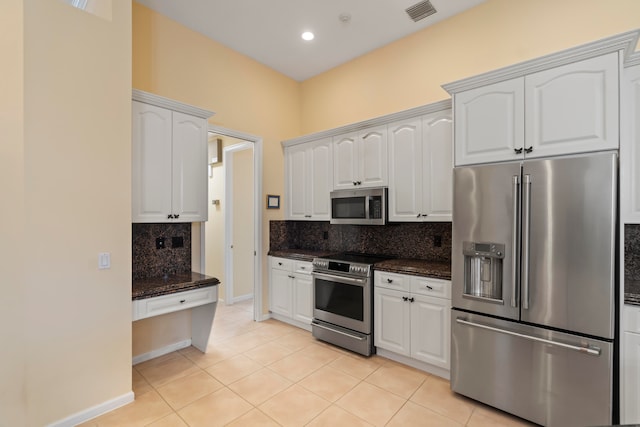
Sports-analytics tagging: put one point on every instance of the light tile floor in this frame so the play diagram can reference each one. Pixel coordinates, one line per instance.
(272, 374)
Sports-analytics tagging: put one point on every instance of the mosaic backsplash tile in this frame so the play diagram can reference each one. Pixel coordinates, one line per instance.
(148, 261)
(632, 252)
(402, 240)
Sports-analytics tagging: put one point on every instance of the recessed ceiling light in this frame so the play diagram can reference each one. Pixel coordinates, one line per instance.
(307, 35)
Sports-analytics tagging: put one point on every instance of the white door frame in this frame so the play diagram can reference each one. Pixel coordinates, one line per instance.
(257, 216)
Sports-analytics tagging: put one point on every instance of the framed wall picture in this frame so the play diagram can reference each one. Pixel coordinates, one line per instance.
(273, 202)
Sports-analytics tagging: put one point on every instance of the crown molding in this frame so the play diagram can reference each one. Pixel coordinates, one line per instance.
(161, 101)
(625, 42)
(378, 121)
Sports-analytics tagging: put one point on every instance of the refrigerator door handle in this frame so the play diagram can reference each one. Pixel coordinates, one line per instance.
(526, 228)
(591, 350)
(515, 259)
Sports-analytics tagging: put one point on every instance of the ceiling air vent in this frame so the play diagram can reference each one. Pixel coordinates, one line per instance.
(420, 10)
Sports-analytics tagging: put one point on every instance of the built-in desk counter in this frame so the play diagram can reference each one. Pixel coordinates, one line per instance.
(162, 295)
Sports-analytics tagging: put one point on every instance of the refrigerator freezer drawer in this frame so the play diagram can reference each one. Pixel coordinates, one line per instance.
(548, 377)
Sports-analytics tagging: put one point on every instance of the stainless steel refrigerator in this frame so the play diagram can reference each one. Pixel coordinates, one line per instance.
(534, 288)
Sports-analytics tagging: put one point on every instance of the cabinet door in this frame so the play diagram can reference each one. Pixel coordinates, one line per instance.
(437, 158)
(630, 378)
(372, 162)
(345, 161)
(573, 108)
(281, 288)
(489, 123)
(321, 180)
(430, 330)
(406, 168)
(391, 318)
(151, 163)
(296, 171)
(303, 298)
(189, 168)
(630, 145)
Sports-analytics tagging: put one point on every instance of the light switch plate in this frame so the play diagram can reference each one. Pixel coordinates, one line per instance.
(104, 260)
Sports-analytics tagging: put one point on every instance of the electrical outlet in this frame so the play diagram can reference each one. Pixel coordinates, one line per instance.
(160, 243)
(177, 242)
(437, 241)
(325, 235)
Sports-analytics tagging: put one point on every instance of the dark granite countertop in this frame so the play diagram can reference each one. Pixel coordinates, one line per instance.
(632, 292)
(416, 267)
(156, 286)
(299, 254)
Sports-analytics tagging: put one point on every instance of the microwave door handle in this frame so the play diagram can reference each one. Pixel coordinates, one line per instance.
(515, 260)
(367, 201)
(526, 231)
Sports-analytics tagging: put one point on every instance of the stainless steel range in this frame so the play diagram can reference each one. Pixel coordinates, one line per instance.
(343, 300)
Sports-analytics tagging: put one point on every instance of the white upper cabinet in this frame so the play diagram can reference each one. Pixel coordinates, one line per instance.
(489, 123)
(360, 159)
(420, 168)
(169, 161)
(630, 145)
(308, 179)
(567, 109)
(573, 108)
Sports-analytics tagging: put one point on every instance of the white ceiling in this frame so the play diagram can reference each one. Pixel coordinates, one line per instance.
(269, 30)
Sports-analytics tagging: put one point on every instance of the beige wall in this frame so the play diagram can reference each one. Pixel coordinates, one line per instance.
(76, 188)
(498, 33)
(243, 228)
(13, 399)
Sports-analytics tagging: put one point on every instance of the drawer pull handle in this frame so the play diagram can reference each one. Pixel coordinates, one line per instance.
(389, 281)
(429, 287)
(182, 301)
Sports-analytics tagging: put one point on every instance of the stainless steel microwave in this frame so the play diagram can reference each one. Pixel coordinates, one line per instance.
(364, 206)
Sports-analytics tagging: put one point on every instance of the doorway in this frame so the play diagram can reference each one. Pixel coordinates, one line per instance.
(232, 236)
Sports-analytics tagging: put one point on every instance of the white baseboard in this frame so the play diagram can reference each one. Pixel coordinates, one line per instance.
(418, 364)
(264, 317)
(161, 351)
(94, 411)
(292, 322)
(241, 298)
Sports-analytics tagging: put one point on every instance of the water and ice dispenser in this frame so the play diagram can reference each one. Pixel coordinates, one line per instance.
(483, 270)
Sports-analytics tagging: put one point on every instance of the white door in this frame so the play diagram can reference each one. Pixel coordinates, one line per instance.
(296, 178)
(280, 300)
(631, 378)
(430, 329)
(320, 179)
(406, 165)
(392, 321)
(437, 174)
(303, 298)
(630, 145)
(372, 161)
(242, 223)
(345, 161)
(573, 108)
(151, 163)
(489, 123)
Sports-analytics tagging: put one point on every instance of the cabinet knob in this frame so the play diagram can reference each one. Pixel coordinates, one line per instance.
(412, 299)
(279, 263)
(405, 299)
(389, 281)
(418, 216)
(303, 268)
(425, 214)
(359, 182)
(292, 277)
(182, 301)
(355, 183)
(176, 216)
(528, 150)
(518, 150)
(169, 216)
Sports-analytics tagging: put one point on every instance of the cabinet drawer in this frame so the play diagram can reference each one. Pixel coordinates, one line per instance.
(156, 306)
(392, 281)
(431, 287)
(282, 264)
(303, 267)
(631, 319)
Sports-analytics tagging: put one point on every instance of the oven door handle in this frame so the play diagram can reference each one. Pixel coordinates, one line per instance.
(340, 279)
(359, 338)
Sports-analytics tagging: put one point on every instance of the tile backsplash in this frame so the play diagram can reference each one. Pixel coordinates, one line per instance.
(149, 261)
(402, 240)
(632, 252)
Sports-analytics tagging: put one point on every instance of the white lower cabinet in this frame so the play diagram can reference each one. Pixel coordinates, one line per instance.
(412, 319)
(630, 373)
(291, 291)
